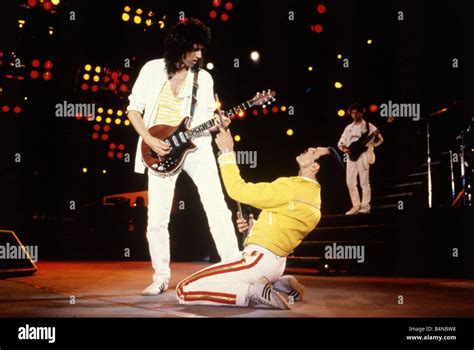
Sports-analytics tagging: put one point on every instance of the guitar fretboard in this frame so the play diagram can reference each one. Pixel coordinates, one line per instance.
(208, 124)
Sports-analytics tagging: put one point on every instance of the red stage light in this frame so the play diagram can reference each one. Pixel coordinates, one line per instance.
(321, 8)
(224, 17)
(373, 108)
(125, 77)
(265, 111)
(318, 28)
(216, 3)
(112, 86)
(119, 155)
(106, 79)
(47, 5)
(5, 109)
(123, 88)
(229, 6)
(232, 116)
(34, 74)
(112, 146)
(95, 136)
(105, 137)
(96, 127)
(114, 75)
(275, 109)
(94, 88)
(121, 147)
(84, 87)
(17, 109)
(32, 3)
(110, 154)
(35, 63)
(213, 14)
(48, 65)
(255, 112)
(20, 78)
(107, 128)
(47, 75)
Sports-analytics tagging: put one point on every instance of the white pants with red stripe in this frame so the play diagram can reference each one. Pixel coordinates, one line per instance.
(202, 168)
(227, 283)
(361, 168)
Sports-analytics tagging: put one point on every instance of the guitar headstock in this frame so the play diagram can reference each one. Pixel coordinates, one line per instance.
(263, 98)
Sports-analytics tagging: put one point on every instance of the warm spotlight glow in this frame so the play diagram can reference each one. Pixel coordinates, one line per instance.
(237, 138)
(255, 56)
(84, 170)
(341, 113)
(87, 67)
(310, 68)
(339, 56)
(369, 41)
(289, 132)
(210, 66)
(137, 19)
(125, 17)
(337, 85)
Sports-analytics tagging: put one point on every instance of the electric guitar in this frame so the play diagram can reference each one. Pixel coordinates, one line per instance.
(360, 146)
(180, 137)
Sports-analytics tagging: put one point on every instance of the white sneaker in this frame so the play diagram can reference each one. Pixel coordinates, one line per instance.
(290, 285)
(261, 294)
(364, 210)
(353, 211)
(155, 288)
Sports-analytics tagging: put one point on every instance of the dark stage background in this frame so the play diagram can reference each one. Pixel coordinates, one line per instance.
(48, 198)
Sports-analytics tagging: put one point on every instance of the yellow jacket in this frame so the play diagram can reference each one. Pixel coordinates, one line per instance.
(290, 207)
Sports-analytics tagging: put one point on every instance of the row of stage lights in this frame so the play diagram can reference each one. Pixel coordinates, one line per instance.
(98, 78)
(224, 16)
(36, 68)
(48, 5)
(138, 17)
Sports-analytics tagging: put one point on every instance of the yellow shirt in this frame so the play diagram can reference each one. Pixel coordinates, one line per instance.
(290, 207)
(169, 109)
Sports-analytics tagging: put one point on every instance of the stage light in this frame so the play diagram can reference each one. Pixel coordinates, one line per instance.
(123, 88)
(21, 23)
(213, 14)
(265, 111)
(229, 6)
(127, 9)
(127, 122)
(108, 120)
(339, 56)
(34, 74)
(47, 75)
(17, 109)
(86, 76)
(87, 67)
(119, 113)
(100, 110)
(275, 109)
(104, 171)
(110, 111)
(255, 56)
(98, 119)
(255, 112)
(373, 108)
(148, 22)
(119, 155)
(94, 88)
(51, 31)
(95, 136)
(224, 17)
(210, 66)
(125, 17)
(318, 28)
(47, 5)
(48, 65)
(117, 121)
(112, 146)
(96, 78)
(369, 41)
(139, 11)
(289, 132)
(96, 127)
(310, 68)
(237, 138)
(84, 170)
(125, 77)
(241, 115)
(283, 108)
(105, 137)
(337, 85)
(55, 2)
(137, 19)
(107, 128)
(110, 154)
(121, 147)
(32, 3)
(97, 69)
(321, 8)
(112, 86)
(341, 113)
(35, 63)
(216, 3)
(5, 109)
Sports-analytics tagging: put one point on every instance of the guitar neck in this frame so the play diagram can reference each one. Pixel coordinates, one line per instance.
(208, 124)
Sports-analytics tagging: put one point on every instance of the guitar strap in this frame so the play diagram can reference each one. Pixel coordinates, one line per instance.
(194, 96)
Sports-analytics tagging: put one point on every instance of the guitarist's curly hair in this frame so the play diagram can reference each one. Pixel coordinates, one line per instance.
(181, 39)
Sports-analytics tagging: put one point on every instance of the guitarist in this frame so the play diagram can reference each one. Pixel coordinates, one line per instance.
(162, 94)
(352, 133)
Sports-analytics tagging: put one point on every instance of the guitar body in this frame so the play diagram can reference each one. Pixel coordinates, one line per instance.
(180, 144)
(358, 147)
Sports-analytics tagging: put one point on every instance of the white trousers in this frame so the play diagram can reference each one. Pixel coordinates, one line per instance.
(227, 284)
(358, 168)
(201, 167)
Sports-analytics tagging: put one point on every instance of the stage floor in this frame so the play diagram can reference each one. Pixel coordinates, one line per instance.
(112, 289)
